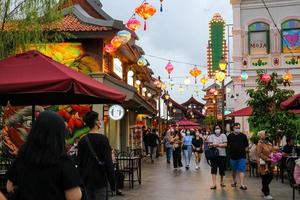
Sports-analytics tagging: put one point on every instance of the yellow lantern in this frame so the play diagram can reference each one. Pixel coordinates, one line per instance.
(220, 76)
(170, 104)
(145, 10)
(195, 72)
(223, 64)
(174, 110)
(116, 41)
(287, 76)
(204, 80)
(167, 96)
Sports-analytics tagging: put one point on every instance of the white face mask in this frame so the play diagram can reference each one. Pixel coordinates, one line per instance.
(237, 130)
(197, 134)
(218, 131)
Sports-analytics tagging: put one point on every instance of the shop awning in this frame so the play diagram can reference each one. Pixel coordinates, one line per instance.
(32, 78)
(133, 100)
(241, 113)
(291, 103)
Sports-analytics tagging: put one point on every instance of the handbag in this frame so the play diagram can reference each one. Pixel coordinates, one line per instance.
(212, 153)
(184, 147)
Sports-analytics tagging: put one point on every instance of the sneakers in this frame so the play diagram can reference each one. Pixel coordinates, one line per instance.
(197, 167)
(243, 187)
(268, 197)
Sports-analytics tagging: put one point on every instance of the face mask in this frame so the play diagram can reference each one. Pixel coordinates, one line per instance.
(188, 133)
(197, 134)
(217, 131)
(237, 130)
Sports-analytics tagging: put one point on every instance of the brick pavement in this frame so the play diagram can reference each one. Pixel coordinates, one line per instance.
(161, 182)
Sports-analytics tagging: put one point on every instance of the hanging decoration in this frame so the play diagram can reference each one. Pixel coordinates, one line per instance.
(145, 10)
(124, 35)
(220, 76)
(149, 95)
(161, 5)
(130, 73)
(142, 61)
(169, 67)
(187, 81)
(174, 110)
(171, 83)
(204, 80)
(109, 48)
(265, 78)
(116, 41)
(157, 83)
(244, 76)
(138, 82)
(180, 89)
(163, 86)
(196, 90)
(133, 24)
(287, 77)
(195, 72)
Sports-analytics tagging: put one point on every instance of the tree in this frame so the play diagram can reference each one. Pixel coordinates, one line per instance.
(265, 101)
(210, 121)
(24, 22)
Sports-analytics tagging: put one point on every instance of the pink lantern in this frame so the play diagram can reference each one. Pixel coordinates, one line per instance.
(109, 48)
(169, 67)
(265, 78)
(133, 24)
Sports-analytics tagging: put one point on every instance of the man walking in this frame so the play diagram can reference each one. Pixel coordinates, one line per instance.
(238, 143)
(153, 140)
(95, 160)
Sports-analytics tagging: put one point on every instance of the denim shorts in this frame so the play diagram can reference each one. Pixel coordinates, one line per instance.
(238, 165)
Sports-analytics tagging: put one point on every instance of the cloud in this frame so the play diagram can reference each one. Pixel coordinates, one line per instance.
(180, 32)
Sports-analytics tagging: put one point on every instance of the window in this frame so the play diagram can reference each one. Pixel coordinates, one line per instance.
(290, 31)
(259, 38)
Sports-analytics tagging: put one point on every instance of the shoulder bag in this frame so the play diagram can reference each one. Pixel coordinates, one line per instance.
(212, 153)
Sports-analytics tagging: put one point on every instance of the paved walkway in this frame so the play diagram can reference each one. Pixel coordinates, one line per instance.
(161, 182)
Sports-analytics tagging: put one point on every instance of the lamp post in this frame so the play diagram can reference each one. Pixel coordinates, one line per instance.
(223, 67)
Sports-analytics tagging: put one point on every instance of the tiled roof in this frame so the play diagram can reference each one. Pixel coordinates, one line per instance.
(71, 23)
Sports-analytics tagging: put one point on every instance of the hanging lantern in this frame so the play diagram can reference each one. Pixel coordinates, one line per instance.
(144, 89)
(170, 104)
(145, 10)
(169, 67)
(171, 83)
(174, 110)
(167, 96)
(163, 86)
(187, 81)
(161, 6)
(195, 72)
(180, 89)
(204, 80)
(142, 61)
(149, 95)
(124, 35)
(244, 76)
(265, 78)
(130, 73)
(133, 24)
(223, 64)
(116, 41)
(220, 76)
(287, 76)
(138, 82)
(109, 48)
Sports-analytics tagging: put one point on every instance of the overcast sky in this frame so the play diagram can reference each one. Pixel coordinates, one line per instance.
(180, 33)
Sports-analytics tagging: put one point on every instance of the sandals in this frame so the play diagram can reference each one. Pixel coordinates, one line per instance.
(222, 185)
(243, 187)
(233, 184)
(213, 187)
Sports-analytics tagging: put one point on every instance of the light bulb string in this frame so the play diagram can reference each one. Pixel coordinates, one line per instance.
(175, 61)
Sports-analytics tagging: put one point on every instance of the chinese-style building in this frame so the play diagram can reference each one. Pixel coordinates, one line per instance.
(194, 110)
(213, 101)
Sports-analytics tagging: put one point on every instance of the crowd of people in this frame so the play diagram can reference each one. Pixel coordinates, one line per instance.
(223, 149)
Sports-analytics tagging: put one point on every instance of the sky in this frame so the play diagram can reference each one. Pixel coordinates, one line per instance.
(178, 33)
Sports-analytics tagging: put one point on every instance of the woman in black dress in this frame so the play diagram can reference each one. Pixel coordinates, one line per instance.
(197, 144)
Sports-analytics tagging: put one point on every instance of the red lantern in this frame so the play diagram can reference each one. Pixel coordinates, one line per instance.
(169, 67)
(265, 78)
(145, 10)
(109, 48)
(133, 24)
(195, 72)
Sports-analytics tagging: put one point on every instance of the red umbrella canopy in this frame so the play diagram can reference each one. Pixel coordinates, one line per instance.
(33, 78)
(292, 102)
(241, 113)
(187, 124)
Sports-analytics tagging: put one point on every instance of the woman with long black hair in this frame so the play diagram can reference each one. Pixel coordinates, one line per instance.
(42, 169)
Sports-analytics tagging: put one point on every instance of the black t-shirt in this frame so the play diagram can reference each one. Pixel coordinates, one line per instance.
(197, 142)
(237, 144)
(94, 176)
(288, 149)
(47, 183)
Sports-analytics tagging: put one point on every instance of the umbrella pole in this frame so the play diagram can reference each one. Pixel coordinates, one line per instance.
(33, 113)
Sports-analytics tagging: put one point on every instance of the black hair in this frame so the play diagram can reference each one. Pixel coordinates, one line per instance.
(236, 124)
(215, 128)
(153, 130)
(288, 140)
(90, 118)
(45, 143)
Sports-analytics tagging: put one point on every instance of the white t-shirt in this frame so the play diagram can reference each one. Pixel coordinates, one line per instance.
(213, 139)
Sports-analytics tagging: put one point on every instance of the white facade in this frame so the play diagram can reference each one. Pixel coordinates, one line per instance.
(251, 44)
